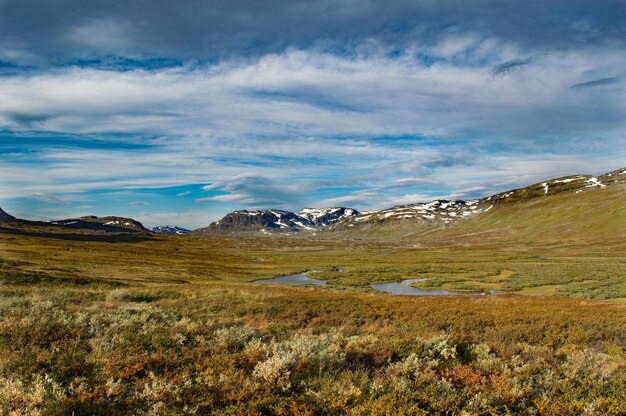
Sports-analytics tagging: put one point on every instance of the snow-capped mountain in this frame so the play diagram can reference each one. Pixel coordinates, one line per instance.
(170, 229)
(439, 210)
(273, 220)
(445, 212)
(423, 215)
(326, 216)
(439, 213)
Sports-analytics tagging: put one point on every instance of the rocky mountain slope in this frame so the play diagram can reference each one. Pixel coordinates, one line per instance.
(579, 211)
(127, 229)
(446, 212)
(436, 211)
(169, 229)
(326, 216)
(419, 217)
(272, 221)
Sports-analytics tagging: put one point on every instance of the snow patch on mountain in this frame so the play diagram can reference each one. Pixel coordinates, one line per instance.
(273, 220)
(439, 210)
(170, 229)
(326, 216)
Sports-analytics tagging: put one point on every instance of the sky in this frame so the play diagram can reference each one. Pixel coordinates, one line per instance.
(178, 112)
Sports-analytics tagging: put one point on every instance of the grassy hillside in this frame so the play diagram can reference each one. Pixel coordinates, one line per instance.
(592, 220)
(95, 323)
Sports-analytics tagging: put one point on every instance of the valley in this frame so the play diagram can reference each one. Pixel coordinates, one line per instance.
(517, 308)
(568, 243)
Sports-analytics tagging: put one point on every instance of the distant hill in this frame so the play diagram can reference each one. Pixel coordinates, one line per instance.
(410, 220)
(446, 212)
(109, 224)
(277, 221)
(169, 229)
(86, 224)
(4, 217)
(578, 210)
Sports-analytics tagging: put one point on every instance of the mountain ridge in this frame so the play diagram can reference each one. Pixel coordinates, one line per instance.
(169, 229)
(437, 212)
(275, 220)
(427, 215)
(5, 217)
(89, 223)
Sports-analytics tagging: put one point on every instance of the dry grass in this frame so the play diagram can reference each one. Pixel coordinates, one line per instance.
(172, 325)
(342, 264)
(234, 348)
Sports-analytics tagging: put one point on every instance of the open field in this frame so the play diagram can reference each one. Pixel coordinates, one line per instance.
(105, 324)
(313, 208)
(86, 347)
(342, 263)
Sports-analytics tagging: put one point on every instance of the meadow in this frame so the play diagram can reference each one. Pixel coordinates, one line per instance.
(172, 325)
(344, 264)
(88, 347)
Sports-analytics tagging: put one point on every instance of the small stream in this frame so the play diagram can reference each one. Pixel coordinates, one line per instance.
(392, 288)
(403, 288)
(294, 279)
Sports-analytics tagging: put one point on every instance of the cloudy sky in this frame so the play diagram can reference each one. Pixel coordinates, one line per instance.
(177, 112)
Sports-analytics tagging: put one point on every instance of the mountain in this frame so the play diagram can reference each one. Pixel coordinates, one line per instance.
(270, 221)
(326, 216)
(436, 211)
(88, 228)
(4, 217)
(578, 210)
(169, 229)
(446, 212)
(591, 218)
(616, 176)
(108, 224)
(405, 220)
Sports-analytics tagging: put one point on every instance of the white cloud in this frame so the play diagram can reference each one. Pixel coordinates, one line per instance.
(300, 93)
(255, 191)
(101, 34)
(277, 130)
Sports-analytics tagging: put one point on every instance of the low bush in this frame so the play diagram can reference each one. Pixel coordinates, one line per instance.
(100, 351)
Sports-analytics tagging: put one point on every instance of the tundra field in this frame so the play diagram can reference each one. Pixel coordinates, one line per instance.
(171, 325)
(118, 323)
(313, 208)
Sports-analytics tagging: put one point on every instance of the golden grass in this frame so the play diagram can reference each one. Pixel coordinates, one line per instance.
(86, 347)
(341, 263)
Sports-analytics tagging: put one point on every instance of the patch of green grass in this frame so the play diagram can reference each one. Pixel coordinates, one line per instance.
(341, 264)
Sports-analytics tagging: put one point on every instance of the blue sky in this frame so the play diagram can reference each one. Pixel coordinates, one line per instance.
(178, 115)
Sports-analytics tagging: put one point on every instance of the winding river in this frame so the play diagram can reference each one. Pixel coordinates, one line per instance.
(393, 288)
(294, 279)
(403, 288)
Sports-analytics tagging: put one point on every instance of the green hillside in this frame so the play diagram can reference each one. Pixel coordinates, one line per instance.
(592, 220)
